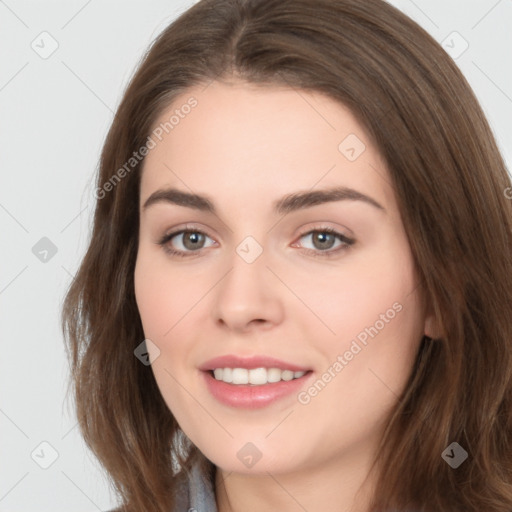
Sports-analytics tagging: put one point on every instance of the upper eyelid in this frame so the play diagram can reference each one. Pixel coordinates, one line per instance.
(175, 232)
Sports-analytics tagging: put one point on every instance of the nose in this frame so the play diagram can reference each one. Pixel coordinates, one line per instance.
(249, 295)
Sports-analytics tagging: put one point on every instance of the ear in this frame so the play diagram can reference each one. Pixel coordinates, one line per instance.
(431, 328)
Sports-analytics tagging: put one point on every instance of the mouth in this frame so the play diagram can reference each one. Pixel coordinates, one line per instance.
(253, 381)
(261, 392)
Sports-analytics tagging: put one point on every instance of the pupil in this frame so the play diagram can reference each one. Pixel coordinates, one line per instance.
(194, 238)
(326, 240)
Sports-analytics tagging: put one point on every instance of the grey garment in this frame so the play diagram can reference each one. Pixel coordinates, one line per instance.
(195, 494)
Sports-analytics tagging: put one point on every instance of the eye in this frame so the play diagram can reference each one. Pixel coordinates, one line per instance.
(324, 239)
(190, 242)
(184, 242)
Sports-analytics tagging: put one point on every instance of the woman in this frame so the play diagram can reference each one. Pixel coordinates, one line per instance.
(298, 287)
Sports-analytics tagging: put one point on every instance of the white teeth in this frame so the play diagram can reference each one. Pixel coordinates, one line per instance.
(256, 376)
(273, 375)
(287, 375)
(240, 376)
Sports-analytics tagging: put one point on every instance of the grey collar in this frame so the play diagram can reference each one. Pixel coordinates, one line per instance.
(195, 494)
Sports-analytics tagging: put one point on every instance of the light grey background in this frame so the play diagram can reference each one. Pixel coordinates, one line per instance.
(55, 112)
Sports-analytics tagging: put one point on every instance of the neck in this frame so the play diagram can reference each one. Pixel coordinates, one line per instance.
(342, 485)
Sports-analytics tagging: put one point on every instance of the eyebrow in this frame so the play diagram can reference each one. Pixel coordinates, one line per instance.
(287, 204)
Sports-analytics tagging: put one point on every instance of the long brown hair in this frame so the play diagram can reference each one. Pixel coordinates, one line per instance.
(450, 183)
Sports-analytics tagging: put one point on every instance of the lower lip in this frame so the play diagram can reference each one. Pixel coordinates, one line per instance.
(252, 397)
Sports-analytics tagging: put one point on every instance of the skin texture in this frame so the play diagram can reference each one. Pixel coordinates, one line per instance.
(244, 147)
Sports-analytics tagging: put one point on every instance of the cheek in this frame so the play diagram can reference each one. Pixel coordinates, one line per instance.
(163, 300)
(152, 300)
(352, 298)
(163, 295)
(379, 329)
(378, 326)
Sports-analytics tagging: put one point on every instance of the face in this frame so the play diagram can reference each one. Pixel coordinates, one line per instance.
(322, 283)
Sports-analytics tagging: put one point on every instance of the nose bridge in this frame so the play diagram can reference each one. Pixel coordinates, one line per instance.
(247, 292)
(249, 250)
(247, 276)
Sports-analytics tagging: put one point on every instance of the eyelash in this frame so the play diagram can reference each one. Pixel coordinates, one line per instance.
(347, 242)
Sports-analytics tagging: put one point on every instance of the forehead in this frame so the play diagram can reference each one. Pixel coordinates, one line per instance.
(260, 141)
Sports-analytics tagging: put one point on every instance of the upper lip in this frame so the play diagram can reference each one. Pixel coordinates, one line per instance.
(232, 361)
